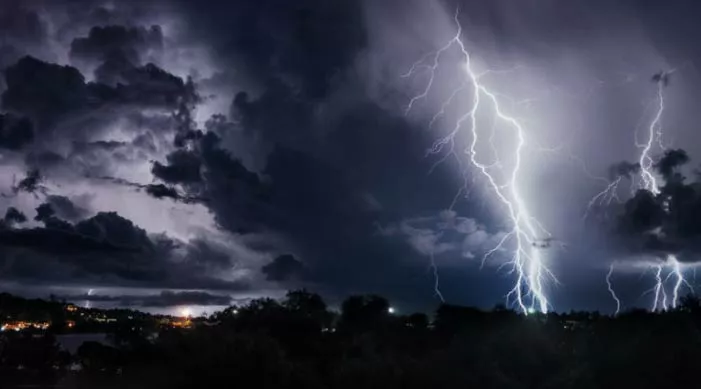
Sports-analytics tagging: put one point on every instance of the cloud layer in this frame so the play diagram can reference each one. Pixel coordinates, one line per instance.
(235, 147)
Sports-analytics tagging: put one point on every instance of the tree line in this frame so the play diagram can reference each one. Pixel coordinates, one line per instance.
(298, 342)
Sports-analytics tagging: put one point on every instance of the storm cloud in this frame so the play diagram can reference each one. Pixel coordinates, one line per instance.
(664, 223)
(163, 299)
(180, 145)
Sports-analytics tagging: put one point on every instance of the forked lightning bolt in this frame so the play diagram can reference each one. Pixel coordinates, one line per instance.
(532, 274)
(648, 182)
(645, 162)
(605, 197)
(654, 133)
(660, 294)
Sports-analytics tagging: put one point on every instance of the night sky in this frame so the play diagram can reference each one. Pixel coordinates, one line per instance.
(169, 154)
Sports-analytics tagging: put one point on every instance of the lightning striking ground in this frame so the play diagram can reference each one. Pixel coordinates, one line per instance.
(648, 181)
(613, 292)
(660, 294)
(527, 262)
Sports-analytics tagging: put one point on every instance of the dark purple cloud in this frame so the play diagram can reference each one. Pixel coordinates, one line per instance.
(309, 153)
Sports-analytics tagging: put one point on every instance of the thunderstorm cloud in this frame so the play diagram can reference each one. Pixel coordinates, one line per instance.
(195, 153)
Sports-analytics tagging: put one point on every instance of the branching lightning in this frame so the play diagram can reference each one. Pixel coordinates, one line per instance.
(606, 196)
(648, 181)
(660, 294)
(526, 233)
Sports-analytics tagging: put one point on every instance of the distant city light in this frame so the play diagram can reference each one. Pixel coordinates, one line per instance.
(22, 325)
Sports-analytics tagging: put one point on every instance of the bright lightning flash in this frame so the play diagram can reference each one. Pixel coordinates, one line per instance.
(527, 263)
(613, 292)
(648, 181)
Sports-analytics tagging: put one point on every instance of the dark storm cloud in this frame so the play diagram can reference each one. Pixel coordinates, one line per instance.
(15, 132)
(209, 255)
(55, 241)
(45, 91)
(22, 28)
(40, 89)
(313, 197)
(101, 42)
(322, 160)
(235, 194)
(70, 113)
(110, 145)
(65, 208)
(284, 268)
(149, 85)
(670, 161)
(665, 223)
(330, 160)
(183, 167)
(68, 131)
(31, 183)
(159, 191)
(116, 49)
(110, 250)
(44, 159)
(44, 212)
(14, 216)
(305, 42)
(21, 24)
(164, 299)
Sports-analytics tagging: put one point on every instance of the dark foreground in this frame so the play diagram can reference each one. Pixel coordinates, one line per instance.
(298, 343)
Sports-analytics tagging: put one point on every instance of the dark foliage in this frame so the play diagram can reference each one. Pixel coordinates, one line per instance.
(299, 343)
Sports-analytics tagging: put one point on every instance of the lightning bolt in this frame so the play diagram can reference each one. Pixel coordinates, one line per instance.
(613, 292)
(434, 269)
(87, 302)
(648, 181)
(660, 294)
(677, 271)
(526, 262)
(605, 197)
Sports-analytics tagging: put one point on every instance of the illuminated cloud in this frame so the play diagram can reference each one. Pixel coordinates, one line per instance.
(226, 134)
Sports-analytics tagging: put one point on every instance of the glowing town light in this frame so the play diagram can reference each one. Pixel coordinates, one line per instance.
(526, 261)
